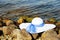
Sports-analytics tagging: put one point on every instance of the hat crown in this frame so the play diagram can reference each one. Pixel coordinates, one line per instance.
(37, 21)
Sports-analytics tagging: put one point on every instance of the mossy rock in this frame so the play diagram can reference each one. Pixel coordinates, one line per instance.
(52, 20)
(29, 19)
(24, 17)
(58, 24)
(20, 20)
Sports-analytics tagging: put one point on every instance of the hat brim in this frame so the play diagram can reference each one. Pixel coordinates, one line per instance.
(38, 29)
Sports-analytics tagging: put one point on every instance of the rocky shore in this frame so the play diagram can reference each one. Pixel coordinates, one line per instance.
(9, 30)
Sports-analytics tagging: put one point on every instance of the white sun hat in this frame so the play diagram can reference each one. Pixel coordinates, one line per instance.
(36, 26)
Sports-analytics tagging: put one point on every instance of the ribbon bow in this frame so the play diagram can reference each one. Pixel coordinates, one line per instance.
(32, 28)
